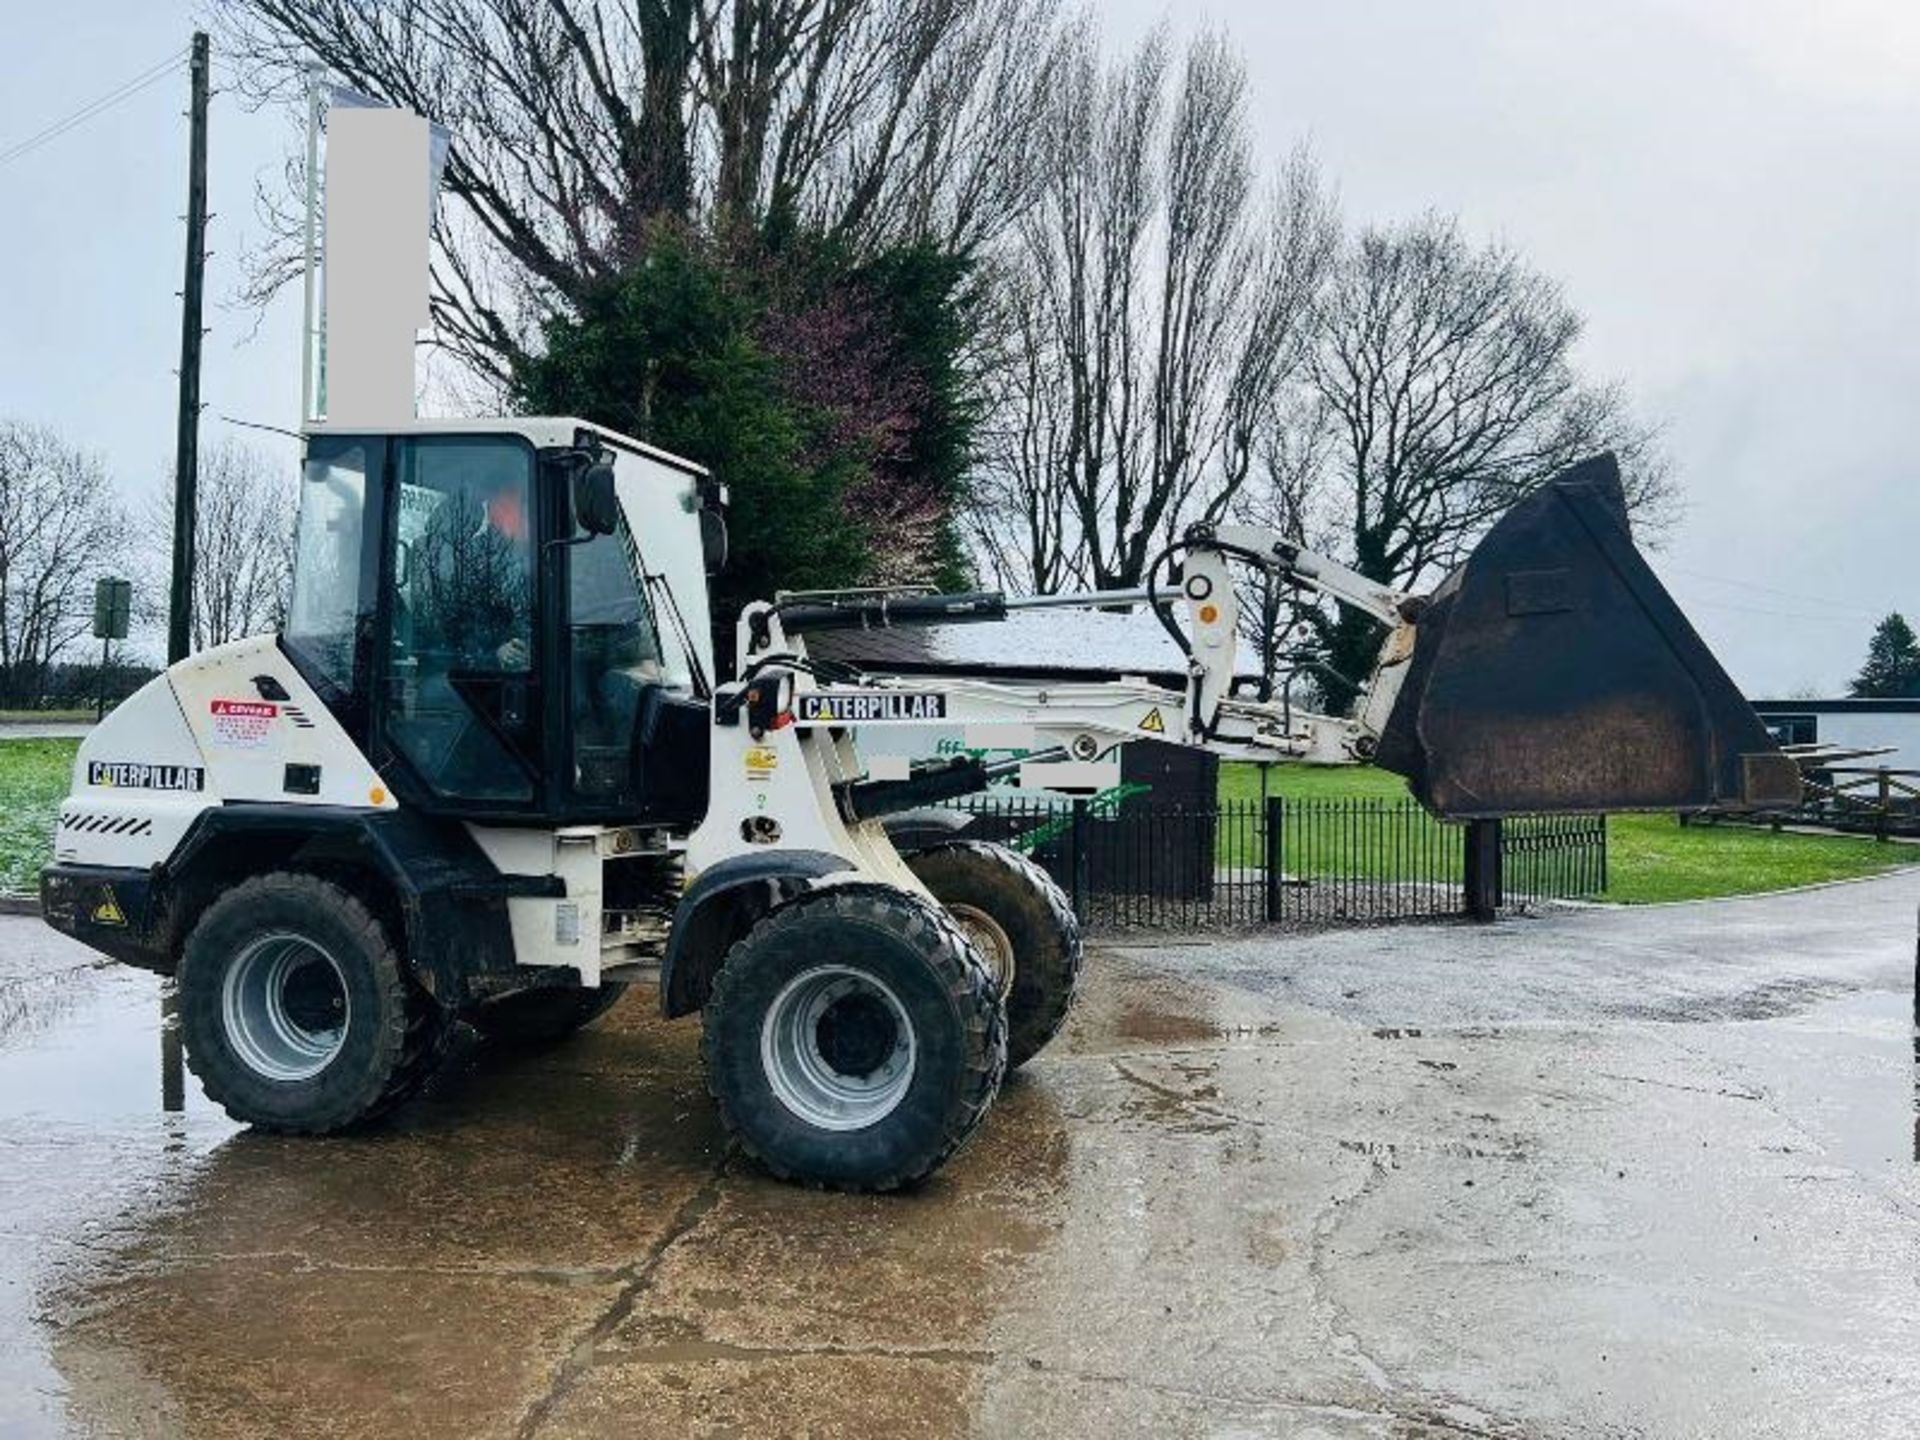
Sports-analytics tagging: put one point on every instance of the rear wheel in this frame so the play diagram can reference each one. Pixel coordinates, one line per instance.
(854, 1039)
(1022, 925)
(297, 1011)
(544, 1015)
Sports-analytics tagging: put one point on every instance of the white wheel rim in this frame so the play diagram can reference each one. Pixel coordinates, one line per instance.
(285, 1007)
(837, 1048)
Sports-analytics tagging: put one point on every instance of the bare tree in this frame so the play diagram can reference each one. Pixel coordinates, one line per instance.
(1157, 303)
(1447, 372)
(580, 125)
(1018, 521)
(1284, 494)
(243, 544)
(60, 530)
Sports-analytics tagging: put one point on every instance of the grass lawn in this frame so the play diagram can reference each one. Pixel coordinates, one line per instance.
(1655, 857)
(1649, 857)
(34, 775)
(1362, 823)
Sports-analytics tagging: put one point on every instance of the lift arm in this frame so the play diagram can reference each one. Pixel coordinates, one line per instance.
(1087, 719)
(1550, 672)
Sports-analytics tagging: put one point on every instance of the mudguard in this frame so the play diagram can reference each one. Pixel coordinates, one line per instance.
(920, 829)
(719, 906)
(1553, 673)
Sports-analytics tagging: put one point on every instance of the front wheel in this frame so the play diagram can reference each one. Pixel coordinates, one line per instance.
(1023, 926)
(297, 1011)
(854, 1039)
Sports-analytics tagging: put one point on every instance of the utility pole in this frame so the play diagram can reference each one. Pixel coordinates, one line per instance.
(186, 455)
(310, 256)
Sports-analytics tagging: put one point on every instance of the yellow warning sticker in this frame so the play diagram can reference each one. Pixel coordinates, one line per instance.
(108, 911)
(1153, 724)
(762, 761)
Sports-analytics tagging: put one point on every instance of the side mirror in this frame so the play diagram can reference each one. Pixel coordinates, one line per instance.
(713, 540)
(596, 508)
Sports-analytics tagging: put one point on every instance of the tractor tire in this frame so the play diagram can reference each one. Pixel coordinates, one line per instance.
(854, 1040)
(297, 1010)
(543, 1015)
(1023, 926)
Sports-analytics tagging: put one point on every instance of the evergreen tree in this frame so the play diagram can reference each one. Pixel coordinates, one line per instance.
(825, 392)
(1893, 662)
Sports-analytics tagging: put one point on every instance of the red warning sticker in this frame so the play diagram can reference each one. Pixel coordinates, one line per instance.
(243, 724)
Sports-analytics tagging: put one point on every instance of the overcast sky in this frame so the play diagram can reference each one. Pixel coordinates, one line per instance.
(1729, 190)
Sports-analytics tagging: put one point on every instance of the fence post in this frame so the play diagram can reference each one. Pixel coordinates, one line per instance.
(1275, 811)
(1079, 832)
(1482, 869)
(1885, 812)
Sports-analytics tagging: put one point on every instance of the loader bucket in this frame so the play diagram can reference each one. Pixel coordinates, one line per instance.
(1552, 672)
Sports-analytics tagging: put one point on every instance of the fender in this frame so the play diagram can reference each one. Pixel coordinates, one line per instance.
(921, 829)
(448, 897)
(717, 909)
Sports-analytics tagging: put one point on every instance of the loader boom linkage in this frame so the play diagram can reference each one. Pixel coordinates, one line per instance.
(1549, 673)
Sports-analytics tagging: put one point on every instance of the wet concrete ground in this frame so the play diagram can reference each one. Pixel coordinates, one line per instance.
(1603, 1173)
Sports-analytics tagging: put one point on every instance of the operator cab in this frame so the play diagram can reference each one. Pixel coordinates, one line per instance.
(510, 618)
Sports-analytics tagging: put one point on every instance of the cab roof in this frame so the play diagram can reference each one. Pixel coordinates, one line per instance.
(541, 430)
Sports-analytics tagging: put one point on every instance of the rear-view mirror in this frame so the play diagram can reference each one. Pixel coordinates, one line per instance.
(713, 540)
(596, 508)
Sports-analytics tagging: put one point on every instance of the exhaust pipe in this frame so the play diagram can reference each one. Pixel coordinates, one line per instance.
(1553, 673)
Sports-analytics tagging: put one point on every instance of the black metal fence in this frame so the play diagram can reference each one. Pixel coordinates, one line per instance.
(1133, 863)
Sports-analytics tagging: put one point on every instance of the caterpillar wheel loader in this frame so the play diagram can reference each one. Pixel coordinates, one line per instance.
(486, 773)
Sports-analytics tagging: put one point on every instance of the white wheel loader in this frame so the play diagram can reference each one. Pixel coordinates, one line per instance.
(486, 773)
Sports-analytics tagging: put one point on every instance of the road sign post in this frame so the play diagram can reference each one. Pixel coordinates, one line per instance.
(112, 612)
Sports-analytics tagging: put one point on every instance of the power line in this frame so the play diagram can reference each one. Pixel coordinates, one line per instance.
(94, 107)
(1775, 591)
(1845, 619)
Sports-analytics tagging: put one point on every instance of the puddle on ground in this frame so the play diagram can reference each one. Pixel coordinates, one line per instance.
(1846, 1069)
(1154, 1025)
(160, 1267)
(89, 1044)
(101, 1123)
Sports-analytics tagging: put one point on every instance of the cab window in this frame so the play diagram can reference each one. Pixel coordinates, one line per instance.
(614, 650)
(325, 609)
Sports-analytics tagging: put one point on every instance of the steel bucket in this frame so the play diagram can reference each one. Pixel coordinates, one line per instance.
(1553, 673)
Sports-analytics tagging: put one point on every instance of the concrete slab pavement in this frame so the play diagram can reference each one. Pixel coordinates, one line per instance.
(1603, 1173)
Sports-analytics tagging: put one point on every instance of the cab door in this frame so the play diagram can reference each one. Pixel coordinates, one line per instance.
(462, 705)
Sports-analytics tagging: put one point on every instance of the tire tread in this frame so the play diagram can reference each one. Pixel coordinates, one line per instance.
(413, 1037)
(948, 952)
(1028, 1035)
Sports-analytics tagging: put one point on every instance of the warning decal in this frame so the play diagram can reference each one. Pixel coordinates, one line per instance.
(762, 761)
(243, 724)
(869, 707)
(1153, 724)
(108, 911)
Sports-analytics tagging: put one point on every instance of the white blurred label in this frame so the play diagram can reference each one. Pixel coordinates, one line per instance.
(378, 183)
